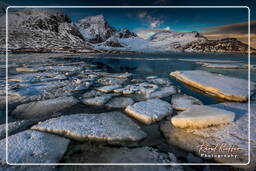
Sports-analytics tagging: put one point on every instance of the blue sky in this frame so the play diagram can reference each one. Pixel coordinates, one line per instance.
(180, 19)
(176, 19)
(216, 21)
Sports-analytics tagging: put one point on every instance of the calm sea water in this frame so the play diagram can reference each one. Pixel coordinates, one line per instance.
(162, 64)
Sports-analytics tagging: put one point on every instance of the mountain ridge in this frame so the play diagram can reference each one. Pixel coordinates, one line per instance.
(38, 30)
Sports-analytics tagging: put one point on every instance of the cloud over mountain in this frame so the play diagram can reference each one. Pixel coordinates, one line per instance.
(237, 30)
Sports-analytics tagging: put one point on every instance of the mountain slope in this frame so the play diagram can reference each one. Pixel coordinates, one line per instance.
(176, 38)
(95, 29)
(43, 31)
(222, 45)
(37, 30)
(160, 42)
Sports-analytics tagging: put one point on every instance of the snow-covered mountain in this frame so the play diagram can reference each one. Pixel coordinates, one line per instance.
(176, 38)
(37, 30)
(95, 29)
(174, 41)
(161, 41)
(124, 34)
(222, 45)
(44, 31)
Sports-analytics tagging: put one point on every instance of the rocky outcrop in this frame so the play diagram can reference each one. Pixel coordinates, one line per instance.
(223, 143)
(104, 154)
(111, 81)
(95, 29)
(113, 43)
(43, 109)
(149, 111)
(109, 88)
(14, 127)
(156, 80)
(97, 101)
(163, 92)
(140, 88)
(113, 126)
(222, 45)
(92, 93)
(200, 116)
(120, 102)
(184, 102)
(33, 147)
(37, 30)
(124, 34)
(220, 86)
(177, 39)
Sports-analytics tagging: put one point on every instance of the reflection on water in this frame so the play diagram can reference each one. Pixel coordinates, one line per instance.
(162, 64)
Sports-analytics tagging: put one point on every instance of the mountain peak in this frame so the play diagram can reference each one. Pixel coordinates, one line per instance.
(95, 29)
(37, 19)
(125, 33)
(93, 19)
(183, 37)
(32, 28)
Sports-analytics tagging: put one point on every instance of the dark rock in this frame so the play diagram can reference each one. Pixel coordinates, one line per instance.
(125, 33)
(222, 45)
(38, 30)
(113, 43)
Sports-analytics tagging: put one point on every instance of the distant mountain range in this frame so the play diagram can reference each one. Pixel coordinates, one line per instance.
(37, 30)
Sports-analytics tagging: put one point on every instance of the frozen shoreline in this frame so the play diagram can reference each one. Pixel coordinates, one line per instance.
(84, 81)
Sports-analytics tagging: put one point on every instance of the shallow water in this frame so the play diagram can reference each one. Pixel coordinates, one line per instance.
(162, 64)
(141, 65)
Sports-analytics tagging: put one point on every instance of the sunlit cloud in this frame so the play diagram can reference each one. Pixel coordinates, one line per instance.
(237, 30)
(241, 28)
(152, 21)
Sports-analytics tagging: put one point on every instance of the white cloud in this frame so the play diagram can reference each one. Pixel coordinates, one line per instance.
(153, 21)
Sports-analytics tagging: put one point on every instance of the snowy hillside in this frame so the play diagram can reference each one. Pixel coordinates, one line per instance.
(161, 41)
(95, 29)
(176, 38)
(222, 45)
(42, 30)
(37, 30)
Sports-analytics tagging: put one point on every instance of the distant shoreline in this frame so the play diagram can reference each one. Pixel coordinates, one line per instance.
(20, 51)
